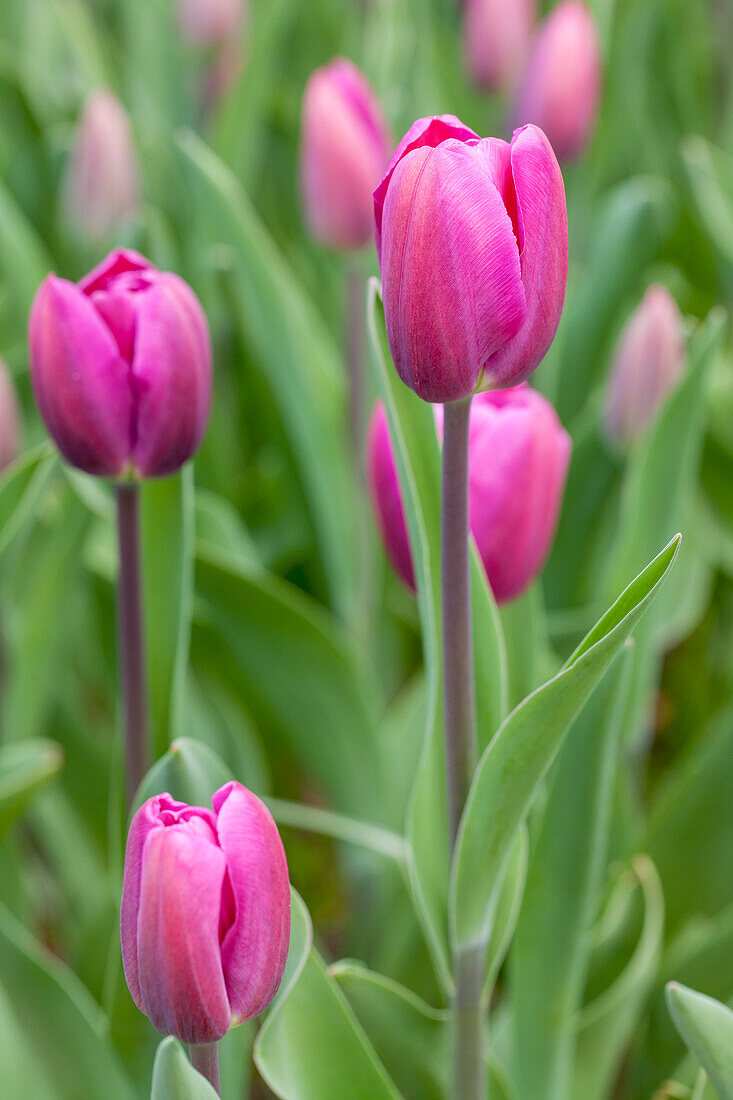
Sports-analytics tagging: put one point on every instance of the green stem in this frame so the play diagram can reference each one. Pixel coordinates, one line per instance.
(205, 1059)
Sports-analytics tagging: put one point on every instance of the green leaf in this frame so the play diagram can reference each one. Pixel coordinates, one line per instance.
(710, 172)
(174, 1078)
(24, 768)
(24, 261)
(167, 534)
(522, 750)
(706, 1026)
(301, 364)
(417, 455)
(312, 1046)
(410, 1037)
(508, 907)
(21, 488)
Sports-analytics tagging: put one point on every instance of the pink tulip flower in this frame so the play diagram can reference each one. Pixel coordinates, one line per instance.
(344, 149)
(9, 419)
(561, 83)
(102, 190)
(205, 921)
(496, 35)
(473, 247)
(648, 363)
(121, 367)
(518, 455)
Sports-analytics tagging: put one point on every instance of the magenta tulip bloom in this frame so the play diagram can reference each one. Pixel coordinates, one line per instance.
(473, 247)
(121, 367)
(345, 146)
(205, 921)
(102, 191)
(518, 455)
(496, 35)
(9, 419)
(648, 363)
(561, 84)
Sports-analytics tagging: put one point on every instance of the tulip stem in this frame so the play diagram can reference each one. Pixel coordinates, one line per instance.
(205, 1059)
(461, 747)
(131, 638)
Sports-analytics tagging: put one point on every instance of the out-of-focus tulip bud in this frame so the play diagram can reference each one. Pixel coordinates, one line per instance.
(649, 361)
(205, 920)
(121, 367)
(9, 419)
(561, 83)
(344, 148)
(102, 190)
(472, 238)
(211, 22)
(496, 35)
(518, 455)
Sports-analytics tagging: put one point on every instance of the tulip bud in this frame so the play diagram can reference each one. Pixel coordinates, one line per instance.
(345, 146)
(561, 84)
(211, 22)
(518, 455)
(121, 367)
(205, 920)
(9, 419)
(648, 363)
(101, 187)
(495, 38)
(472, 240)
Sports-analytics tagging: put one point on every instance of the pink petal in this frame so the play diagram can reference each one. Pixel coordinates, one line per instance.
(119, 261)
(255, 946)
(386, 496)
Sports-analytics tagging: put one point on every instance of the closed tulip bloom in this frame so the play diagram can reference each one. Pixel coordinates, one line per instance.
(473, 247)
(649, 361)
(121, 367)
(211, 22)
(205, 920)
(518, 455)
(102, 190)
(561, 83)
(9, 419)
(496, 34)
(344, 149)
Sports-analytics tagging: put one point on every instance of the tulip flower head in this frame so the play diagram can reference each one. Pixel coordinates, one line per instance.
(518, 455)
(472, 241)
(345, 146)
(121, 367)
(205, 920)
(102, 191)
(9, 419)
(561, 83)
(649, 361)
(496, 35)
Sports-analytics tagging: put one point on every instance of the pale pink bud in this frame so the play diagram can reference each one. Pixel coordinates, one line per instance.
(496, 35)
(205, 919)
(102, 189)
(561, 84)
(344, 149)
(9, 419)
(211, 22)
(648, 363)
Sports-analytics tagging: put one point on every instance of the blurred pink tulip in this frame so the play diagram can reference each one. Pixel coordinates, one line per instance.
(205, 920)
(473, 245)
(648, 363)
(121, 367)
(518, 457)
(211, 22)
(344, 149)
(561, 83)
(9, 419)
(102, 191)
(496, 34)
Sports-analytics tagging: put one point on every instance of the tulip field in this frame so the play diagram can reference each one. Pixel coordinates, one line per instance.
(366, 549)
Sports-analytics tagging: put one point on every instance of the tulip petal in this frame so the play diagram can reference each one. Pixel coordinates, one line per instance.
(119, 261)
(179, 963)
(450, 269)
(425, 132)
(81, 381)
(171, 375)
(543, 237)
(386, 496)
(255, 946)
